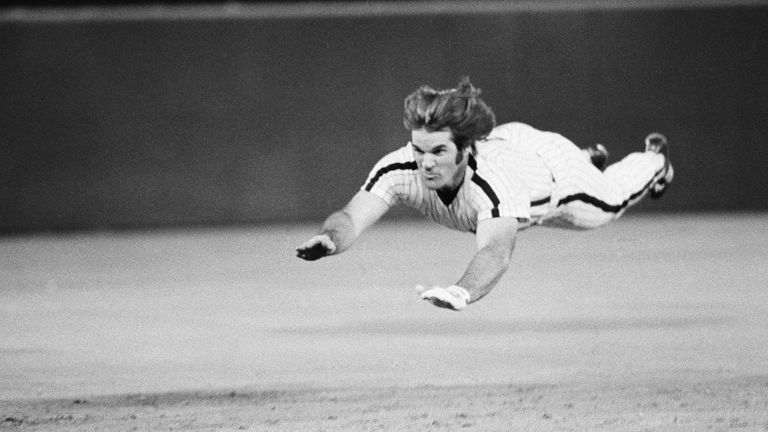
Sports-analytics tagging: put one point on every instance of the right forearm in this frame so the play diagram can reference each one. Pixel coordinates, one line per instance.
(341, 230)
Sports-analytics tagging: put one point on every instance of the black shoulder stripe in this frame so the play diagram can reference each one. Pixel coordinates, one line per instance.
(392, 167)
(488, 191)
(472, 162)
(484, 186)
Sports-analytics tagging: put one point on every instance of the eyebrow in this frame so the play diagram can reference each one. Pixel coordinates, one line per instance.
(434, 149)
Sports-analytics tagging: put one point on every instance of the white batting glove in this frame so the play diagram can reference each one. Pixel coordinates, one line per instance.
(315, 248)
(453, 297)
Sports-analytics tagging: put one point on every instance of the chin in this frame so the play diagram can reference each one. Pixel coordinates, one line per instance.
(433, 184)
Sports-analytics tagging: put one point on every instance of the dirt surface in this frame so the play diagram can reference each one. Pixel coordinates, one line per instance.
(669, 406)
(650, 324)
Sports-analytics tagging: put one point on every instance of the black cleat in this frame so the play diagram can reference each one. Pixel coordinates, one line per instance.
(598, 154)
(657, 143)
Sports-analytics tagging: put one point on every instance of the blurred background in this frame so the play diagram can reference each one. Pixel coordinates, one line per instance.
(158, 114)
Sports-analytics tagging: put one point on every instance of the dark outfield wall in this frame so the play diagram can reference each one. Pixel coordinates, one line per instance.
(239, 121)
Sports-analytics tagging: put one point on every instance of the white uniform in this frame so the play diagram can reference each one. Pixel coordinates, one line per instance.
(535, 176)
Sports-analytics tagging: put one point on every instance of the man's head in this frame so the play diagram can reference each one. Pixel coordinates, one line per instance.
(459, 110)
(444, 126)
(441, 164)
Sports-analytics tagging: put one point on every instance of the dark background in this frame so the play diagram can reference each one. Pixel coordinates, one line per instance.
(131, 123)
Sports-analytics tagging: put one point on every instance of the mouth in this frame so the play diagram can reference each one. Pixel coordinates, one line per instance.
(431, 176)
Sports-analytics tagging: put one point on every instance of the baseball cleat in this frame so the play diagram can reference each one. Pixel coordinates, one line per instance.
(657, 143)
(598, 154)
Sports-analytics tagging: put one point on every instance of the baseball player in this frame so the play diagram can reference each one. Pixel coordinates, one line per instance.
(463, 172)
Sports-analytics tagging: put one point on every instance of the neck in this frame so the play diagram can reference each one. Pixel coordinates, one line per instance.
(458, 178)
(456, 181)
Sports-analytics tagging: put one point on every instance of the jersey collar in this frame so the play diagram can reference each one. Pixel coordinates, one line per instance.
(447, 196)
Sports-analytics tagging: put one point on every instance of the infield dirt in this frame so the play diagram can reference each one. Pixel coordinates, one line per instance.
(653, 323)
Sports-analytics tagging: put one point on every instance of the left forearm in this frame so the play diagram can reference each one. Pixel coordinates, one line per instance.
(495, 241)
(484, 271)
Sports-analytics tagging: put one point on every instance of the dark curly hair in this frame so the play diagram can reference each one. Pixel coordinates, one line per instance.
(459, 109)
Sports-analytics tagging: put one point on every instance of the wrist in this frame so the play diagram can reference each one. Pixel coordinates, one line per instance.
(461, 292)
(331, 234)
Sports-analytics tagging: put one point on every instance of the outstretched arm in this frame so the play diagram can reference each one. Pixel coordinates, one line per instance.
(495, 242)
(342, 227)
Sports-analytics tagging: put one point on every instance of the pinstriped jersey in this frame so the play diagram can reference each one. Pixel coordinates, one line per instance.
(507, 177)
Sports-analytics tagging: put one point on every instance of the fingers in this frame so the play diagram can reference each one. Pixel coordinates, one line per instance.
(315, 248)
(420, 289)
(453, 297)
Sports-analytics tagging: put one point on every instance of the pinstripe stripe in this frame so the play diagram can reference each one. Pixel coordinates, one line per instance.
(393, 167)
(517, 149)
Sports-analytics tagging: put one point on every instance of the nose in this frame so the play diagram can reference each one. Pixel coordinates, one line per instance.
(428, 162)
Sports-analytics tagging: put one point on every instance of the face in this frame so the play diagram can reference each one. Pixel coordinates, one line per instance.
(440, 164)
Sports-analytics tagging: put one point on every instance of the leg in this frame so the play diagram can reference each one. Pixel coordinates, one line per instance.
(588, 198)
(597, 155)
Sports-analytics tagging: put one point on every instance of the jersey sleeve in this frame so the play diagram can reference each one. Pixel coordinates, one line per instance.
(498, 195)
(392, 176)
